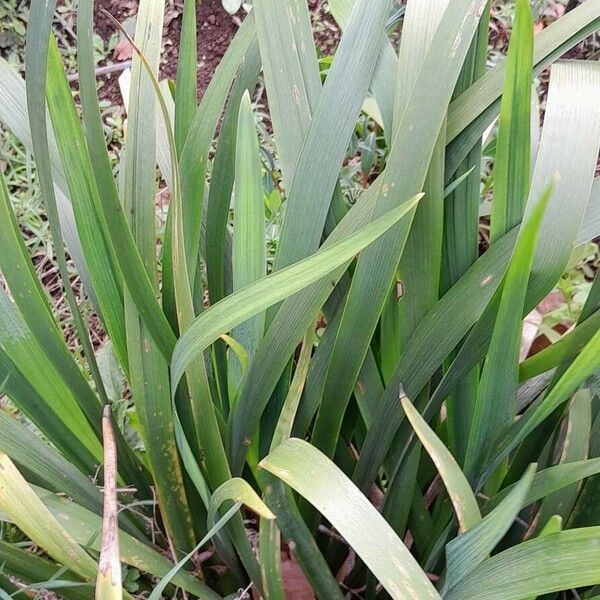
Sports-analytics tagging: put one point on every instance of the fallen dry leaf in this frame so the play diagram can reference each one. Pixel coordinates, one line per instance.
(123, 51)
(553, 301)
(530, 331)
(295, 584)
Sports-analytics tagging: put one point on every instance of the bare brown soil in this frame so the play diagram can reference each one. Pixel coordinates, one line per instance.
(216, 28)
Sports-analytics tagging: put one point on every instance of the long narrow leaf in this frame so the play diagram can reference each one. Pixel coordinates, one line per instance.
(313, 476)
(497, 394)
(273, 288)
(512, 162)
(461, 494)
(24, 507)
(561, 561)
(466, 551)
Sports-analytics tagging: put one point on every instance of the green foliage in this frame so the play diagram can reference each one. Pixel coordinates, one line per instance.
(317, 360)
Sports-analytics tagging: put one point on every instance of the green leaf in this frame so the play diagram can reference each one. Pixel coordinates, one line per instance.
(419, 268)
(291, 74)
(575, 448)
(125, 251)
(19, 345)
(591, 222)
(570, 110)
(185, 88)
(84, 526)
(149, 376)
(240, 492)
(429, 345)
(404, 175)
(465, 552)
(317, 479)
(283, 430)
(553, 525)
(249, 258)
(473, 111)
(511, 165)
(270, 559)
(232, 6)
(383, 83)
(459, 490)
(551, 480)
(238, 307)
(195, 153)
(568, 151)
(170, 576)
(461, 236)
(580, 369)
(561, 561)
(54, 377)
(29, 568)
(29, 451)
(497, 394)
(38, 35)
(564, 349)
(218, 252)
(28, 512)
(310, 192)
(86, 203)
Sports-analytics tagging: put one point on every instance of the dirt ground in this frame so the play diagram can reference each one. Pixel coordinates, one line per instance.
(216, 28)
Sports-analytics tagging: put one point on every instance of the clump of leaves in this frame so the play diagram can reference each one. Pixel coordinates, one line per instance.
(413, 437)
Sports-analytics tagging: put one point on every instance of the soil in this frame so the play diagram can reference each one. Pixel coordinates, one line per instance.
(216, 28)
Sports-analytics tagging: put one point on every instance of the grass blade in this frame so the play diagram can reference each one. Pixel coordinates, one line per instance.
(465, 552)
(419, 269)
(291, 75)
(195, 153)
(430, 344)
(310, 193)
(46, 463)
(580, 369)
(27, 511)
(45, 377)
(561, 561)
(550, 480)
(459, 490)
(404, 175)
(29, 568)
(170, 576)
(218, 253)
(124, 249)
(249, 245)
(38, 35)
(561, 142)
(86, 201)
(59, 407)
(473, 111)
(185, 88)
(240, 492)
(85, 527)
(149, 371)
(512, 162)
(272, 289)
(564, 349)
(497, 394)
(313, 476)
(575, 448)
